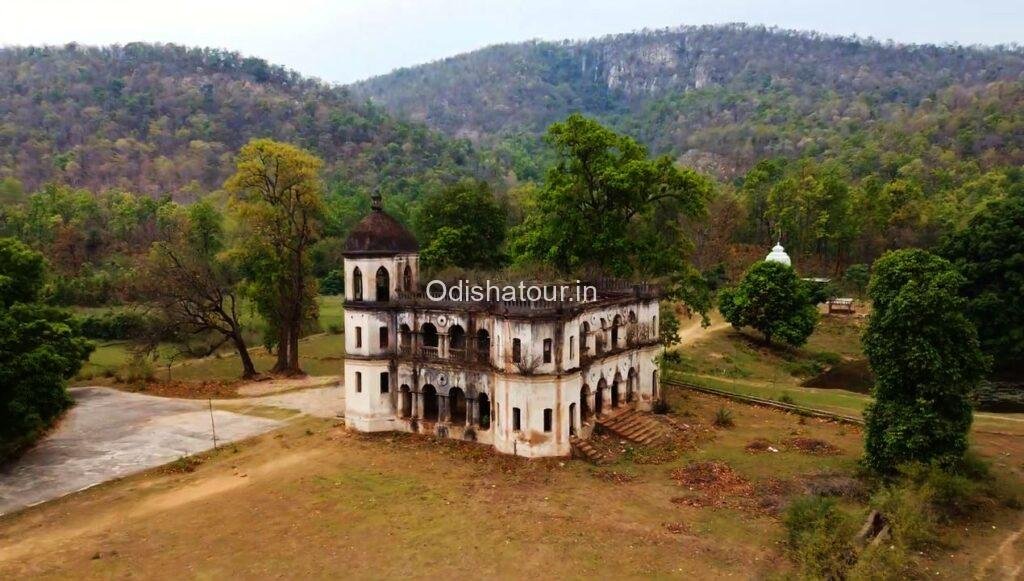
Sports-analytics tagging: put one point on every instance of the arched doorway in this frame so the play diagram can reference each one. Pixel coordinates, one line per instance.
(429, 333)
(483, 411)
(429, 395)
(457, 342)
(357, 284)
(631, 385)
(457, 406)
(405, 401)
(572, 419)
(405, 338)
(615, 389)
(383, 284)
(599, 396)
(585, 411)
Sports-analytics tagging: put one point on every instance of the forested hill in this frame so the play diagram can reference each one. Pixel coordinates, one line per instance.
(724, 96)
(165, 119)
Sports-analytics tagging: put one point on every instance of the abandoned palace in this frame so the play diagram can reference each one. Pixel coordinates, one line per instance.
(526, 377)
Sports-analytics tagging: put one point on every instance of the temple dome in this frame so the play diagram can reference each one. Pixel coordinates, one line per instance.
(778, 254)
(378, 233)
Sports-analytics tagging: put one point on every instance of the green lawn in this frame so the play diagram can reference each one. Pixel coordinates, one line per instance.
(321, 354)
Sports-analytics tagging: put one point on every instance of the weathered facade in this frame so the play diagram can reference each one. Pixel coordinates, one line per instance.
(522, 376)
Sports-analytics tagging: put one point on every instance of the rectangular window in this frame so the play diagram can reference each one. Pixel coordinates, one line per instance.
(572, 347)
(385, 382)
(548, 419)
(359, 337)
(515, 420)
(547, 350)
(517, 350)
(359, 382)
(383, 337)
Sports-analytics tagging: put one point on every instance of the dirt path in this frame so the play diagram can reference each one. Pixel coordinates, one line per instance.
(691, 332)
(1007, 562)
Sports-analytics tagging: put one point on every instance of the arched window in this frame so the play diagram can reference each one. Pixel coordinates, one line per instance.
(357, 284)
(407, 279)
(483, 345)
(616, 323)
(584, 339)
(383, 284)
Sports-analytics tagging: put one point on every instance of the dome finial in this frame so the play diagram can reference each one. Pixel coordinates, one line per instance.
(376, 198)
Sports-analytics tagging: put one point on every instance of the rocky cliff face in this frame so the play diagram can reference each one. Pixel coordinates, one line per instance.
(525, 87)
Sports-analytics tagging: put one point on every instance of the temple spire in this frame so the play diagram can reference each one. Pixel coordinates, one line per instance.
(376, 197)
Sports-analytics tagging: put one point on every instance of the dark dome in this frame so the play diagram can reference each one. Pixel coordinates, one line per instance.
(379, 233)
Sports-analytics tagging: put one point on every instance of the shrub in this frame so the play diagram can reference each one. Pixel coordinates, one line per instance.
(114, 326)
(818, 536)
(335, 328)
(138, 369)
(333, 283)
(910, 513)
(884, 562)
(786, 399)
(723, 418)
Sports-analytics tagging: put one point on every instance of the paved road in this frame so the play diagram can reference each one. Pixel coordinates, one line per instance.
(110, 434)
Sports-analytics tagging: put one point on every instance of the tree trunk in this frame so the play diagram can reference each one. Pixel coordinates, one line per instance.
(282, 348)
(293, 351)
(248, 369)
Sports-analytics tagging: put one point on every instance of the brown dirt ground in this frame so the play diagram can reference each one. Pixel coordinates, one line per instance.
(314, 499)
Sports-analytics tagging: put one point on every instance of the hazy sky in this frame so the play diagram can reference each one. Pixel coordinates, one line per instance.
(347, 40)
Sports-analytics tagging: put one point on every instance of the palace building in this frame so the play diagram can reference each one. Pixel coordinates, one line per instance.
(525, 376)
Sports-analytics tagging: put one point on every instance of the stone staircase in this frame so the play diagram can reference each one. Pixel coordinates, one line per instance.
(587, 451)
(639, 427)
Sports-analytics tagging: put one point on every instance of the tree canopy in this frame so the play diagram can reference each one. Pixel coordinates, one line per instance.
(926, 358)
(772, 300)
(463, 225)
(40, 348)
(989, 253)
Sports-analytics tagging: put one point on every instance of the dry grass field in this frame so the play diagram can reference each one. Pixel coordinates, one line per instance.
(315, 500)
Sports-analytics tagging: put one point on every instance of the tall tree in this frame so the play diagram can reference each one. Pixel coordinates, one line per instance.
(773, 300)
(192, 284)
(40, 349)
(989, 253)
(926, 359)
(278, 194)
(462, 225)
(607, 204)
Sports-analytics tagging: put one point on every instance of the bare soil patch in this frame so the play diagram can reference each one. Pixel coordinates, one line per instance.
(813, 446)
(714, 484)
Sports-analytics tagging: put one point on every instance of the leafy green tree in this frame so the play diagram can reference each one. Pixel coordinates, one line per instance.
(462, 225)
(989, 253)
(856, 278)
(926, 359)
(278, 194)
(22, 271)
(773, 300)
(40, 349)
(607, 204)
